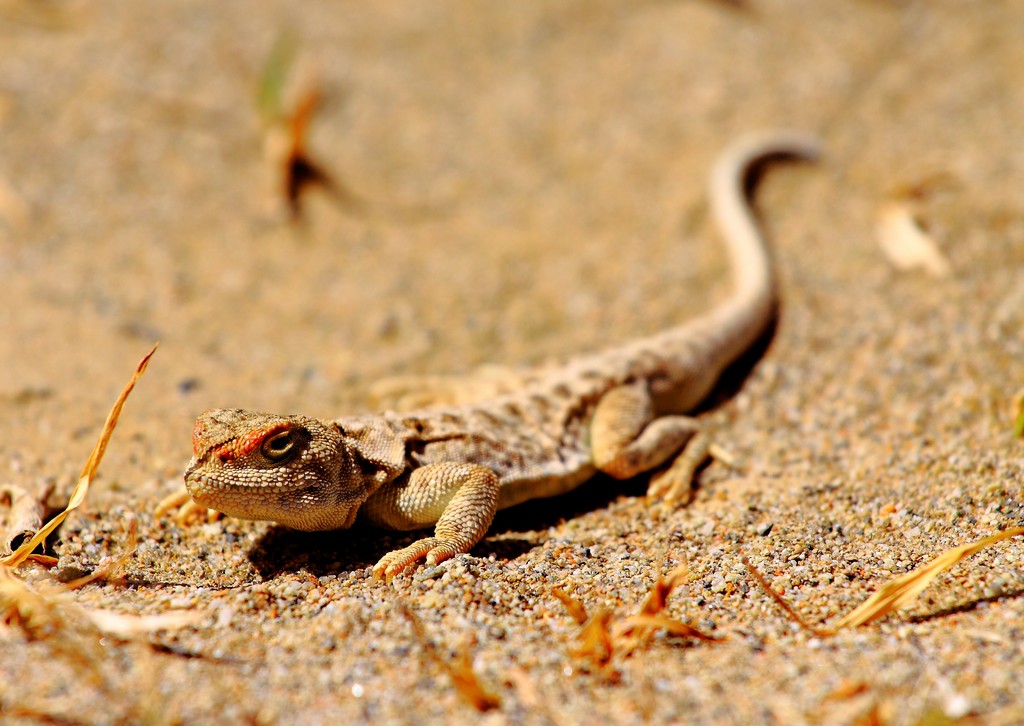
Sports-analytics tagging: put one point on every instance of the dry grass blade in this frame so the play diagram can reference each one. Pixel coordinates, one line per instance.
(657, 598)
(781, 601)
(88, 472)
(288, 98)
(574, 606)
(111, 569)
(847, 690)
(74, 636)
(42, 616)
(644, 625)
(468, 685)
(461, 673)
(596, 641)
(900, 591)
(23, 607)
(873, 717)
(896, 593)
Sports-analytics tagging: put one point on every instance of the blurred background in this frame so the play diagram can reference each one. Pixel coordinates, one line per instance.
(297, 200)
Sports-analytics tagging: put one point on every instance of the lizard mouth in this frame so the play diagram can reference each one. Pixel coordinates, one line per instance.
(290, 509)
(202, 488)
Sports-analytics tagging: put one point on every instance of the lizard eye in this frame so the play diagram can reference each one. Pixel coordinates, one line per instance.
(277, 447)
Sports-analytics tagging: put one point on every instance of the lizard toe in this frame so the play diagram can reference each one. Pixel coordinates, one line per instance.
(396, 562)
(674, 486)
(431, 550)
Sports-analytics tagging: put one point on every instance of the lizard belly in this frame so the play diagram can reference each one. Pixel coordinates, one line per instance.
(540, 486)
(527, 467)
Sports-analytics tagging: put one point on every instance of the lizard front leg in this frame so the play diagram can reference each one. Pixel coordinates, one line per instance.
(181, 502)
(460, 498)
(626, 439)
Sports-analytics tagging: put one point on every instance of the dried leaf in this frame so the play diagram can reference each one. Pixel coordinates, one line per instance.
(24, 515)
(906, 244)
(88, 472)
(657, 598)
(468, 685)
(461, 673)
(602, 637)
(596, 639)
(129, 626)
(574, 606)
(847, 690)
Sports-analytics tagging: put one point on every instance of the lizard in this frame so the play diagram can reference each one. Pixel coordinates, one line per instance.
(620, 411)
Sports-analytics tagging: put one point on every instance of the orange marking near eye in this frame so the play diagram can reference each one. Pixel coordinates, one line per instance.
(197, 438)
(250, 442)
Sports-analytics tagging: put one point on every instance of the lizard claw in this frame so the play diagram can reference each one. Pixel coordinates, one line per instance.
(396, 562)
(431, 550)
(187, 509)
(175, 500)
(674, 486)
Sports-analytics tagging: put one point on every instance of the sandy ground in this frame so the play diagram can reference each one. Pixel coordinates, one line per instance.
(533, 183)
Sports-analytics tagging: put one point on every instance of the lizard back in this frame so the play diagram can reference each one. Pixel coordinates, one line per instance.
(536, 438)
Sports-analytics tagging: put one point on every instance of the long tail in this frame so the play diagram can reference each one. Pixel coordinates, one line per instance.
(683, 363)
(754, 282)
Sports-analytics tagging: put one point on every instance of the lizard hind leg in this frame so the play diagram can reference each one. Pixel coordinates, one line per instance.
(626, 440)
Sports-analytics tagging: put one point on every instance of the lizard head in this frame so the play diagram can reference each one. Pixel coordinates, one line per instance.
(294, 470)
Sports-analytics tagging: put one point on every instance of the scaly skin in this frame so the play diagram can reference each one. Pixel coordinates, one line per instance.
(617, 411)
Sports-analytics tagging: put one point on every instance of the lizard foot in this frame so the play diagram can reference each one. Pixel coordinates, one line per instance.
(187, 510)
(460, 498)
(674, 485)
(431, 549)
